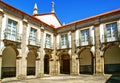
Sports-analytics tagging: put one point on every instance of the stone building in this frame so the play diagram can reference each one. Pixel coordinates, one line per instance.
(39, 45)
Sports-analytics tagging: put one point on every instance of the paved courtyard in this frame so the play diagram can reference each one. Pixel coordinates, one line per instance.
(73, 79)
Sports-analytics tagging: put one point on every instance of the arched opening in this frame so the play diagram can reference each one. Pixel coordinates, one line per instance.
(65, 64)
(86, 62)
(9, 62)
(112, 60)
(46, 64)
(31, 60)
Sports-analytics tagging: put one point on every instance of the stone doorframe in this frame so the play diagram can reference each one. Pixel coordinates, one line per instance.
(62, 52)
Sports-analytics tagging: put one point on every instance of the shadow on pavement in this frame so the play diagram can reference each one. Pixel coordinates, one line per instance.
(114, 79)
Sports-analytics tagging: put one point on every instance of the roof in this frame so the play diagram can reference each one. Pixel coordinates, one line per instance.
(51, 26)
(15, 9)
(51, 20)
(92, 17)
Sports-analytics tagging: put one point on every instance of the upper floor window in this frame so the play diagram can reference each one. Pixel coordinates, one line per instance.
(84, 35)
(111, 31)
(33, 35)
(48, 40)
(64, 39)
(12, 29)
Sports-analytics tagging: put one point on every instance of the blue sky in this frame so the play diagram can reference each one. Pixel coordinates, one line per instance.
(67, 10)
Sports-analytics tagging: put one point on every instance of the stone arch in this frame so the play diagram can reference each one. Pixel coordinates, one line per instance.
(9, 55)
(85, 61)
(112, 60)
(31, 62)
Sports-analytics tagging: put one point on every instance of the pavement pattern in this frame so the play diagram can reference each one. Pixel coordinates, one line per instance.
(73, 79)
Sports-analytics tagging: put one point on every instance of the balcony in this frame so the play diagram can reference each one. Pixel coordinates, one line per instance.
(111, 38)
(83, 42)
(34, 42)
(66, 45)
(12, 37)
(49, 45)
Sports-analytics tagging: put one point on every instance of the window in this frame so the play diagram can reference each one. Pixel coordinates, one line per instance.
(84, 37)
(64, 39)
(33, 36)
(48, 40)
(12, 29)
(111, 31)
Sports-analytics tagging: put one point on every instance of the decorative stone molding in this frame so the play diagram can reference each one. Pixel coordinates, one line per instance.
(12, 43)
(77, 58)
(33, 47)
(57, 59)
(51, 59)
(37, 59)
(19, 57)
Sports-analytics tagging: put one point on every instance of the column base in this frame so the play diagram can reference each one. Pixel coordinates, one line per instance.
(98, 73)
(74, 74)
(21, 77)
(40, 75)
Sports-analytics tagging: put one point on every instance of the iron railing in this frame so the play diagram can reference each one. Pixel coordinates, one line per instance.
(49, 45)
(35, 42)
(13, 37)
(60, 46)
(83, 42)
(111, 38)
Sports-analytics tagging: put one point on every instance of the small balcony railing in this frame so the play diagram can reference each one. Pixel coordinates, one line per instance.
(60, 46)
(17, 37)
(35, 42)
(111, 38)
(49, 45)
(83, 42)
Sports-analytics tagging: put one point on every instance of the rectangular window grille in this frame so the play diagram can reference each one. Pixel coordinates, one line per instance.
(33, 36)
(48, 41)
(12, 30)
(111, 31)
(84, 37)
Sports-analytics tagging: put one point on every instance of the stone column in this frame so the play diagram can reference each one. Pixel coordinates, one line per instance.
(0, 67)
(74, 62)
(99, 63)
(55, 56)
(119, 28)
(51, 66)
(38, 59)
(22, 52)
(37, 67)
(42, 53)
(19, 67)
(1, 16)
(77, 67)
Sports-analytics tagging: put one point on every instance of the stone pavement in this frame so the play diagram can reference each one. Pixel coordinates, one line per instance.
(73, 79)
